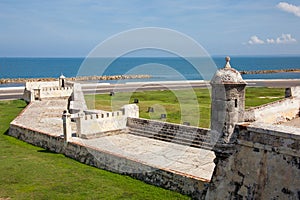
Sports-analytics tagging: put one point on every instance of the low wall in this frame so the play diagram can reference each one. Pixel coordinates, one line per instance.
(96, 125)
(115, 163)
(41, 84)
(276, 112)
(264, 165)
(176, 133)
(56, 92)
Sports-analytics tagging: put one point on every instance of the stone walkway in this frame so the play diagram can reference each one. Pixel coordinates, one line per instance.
(194, 162)
(46, 116)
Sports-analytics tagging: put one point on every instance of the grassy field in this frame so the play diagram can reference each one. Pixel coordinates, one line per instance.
(180, 105)
(29, 172)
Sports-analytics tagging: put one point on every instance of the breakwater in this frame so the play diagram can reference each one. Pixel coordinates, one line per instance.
(80, 78)
(270, 71)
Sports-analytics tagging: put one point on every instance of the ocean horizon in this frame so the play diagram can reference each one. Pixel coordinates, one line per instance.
(159, 68)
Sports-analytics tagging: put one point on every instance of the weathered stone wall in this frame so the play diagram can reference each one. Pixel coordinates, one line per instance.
(276, 112)
(264, 165)
(115, 163)
(56, 92)
(94, 125)
(41, 84)
(176, 133)
(292, 92)
(77, 101)
(45, 90)
(27, 96)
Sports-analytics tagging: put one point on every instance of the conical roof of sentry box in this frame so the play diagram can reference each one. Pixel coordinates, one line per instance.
(227, 75)
(62, 76)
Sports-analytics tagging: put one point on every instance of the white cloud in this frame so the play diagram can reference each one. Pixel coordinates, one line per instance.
(270, 41)
(289, 8)
(283, 39)
(255, 40)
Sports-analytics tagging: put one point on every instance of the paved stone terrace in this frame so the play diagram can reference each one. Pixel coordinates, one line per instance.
(45, 116)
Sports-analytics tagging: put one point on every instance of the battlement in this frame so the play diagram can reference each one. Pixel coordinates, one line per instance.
(55, 88)
(104, 115)
(43, 90)
(90, 125)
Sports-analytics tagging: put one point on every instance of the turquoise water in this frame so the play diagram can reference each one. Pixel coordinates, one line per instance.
(171, 68)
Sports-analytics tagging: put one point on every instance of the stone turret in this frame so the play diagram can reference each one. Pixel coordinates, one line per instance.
(228, 101)
(62, 80)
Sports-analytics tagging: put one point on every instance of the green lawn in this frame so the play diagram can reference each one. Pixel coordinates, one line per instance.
(29, 172)
(180, 105)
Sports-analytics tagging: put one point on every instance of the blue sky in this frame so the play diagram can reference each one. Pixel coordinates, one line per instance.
(71, 28)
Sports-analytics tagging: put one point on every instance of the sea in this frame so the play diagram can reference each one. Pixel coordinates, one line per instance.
(159, 68)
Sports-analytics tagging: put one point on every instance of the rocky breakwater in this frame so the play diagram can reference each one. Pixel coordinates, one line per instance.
(270, 71)
(80, 78)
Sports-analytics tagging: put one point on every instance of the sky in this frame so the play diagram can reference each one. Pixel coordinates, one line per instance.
(72, 28)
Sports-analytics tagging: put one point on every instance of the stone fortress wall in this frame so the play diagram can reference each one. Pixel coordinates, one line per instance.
(257, 157)
(44, 90)
(276, 112)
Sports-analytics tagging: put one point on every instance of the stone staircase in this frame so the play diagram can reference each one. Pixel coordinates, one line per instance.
(168, 132)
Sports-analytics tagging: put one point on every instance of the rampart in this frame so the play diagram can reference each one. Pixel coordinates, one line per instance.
(264, 165)
(82, 152)
(276, 112)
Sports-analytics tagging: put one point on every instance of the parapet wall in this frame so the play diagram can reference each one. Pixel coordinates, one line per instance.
(45, 90)
(264, 165)
(111, 162)
(41, 84)
(95, 125)
(176, 133)
(55, 92)
(276, 112)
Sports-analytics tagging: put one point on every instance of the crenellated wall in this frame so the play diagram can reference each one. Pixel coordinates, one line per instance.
(96, 125)
(55, 92)
(41, 84)
(45, 90)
